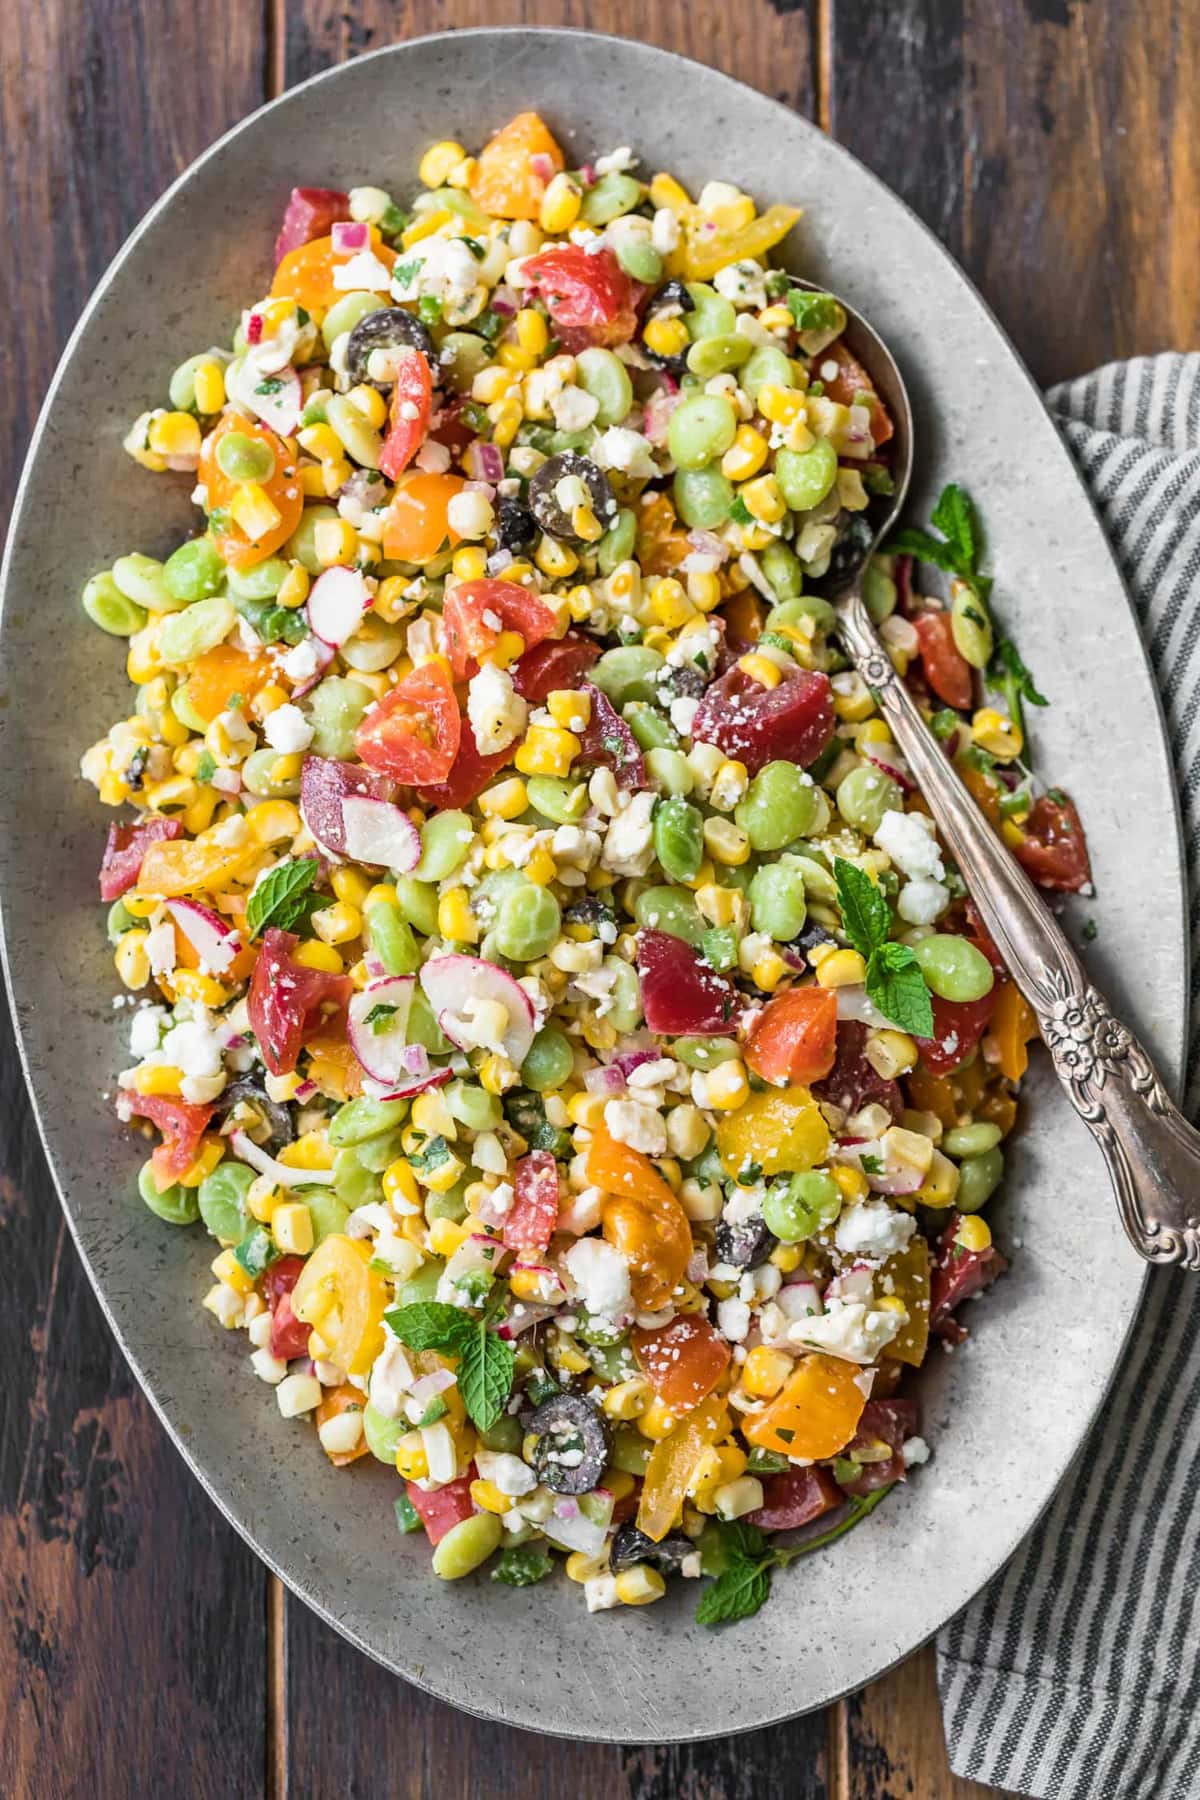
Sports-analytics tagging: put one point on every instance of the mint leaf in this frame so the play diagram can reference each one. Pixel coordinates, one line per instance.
(814, 312)
(737, 1594)
(897, 987)
(1010, 678)
(485, 1375)
(279, 899)
(954, 516)
(430, 1325)
(377, 1019)
(522, 1567)
(403, 273)
(206, 768)
(740, 513)
(865, 911)
(912, 541)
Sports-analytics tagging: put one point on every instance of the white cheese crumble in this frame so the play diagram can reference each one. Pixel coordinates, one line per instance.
(600, 1276)
(915, 1451)
(636, 1125)
(363, 272)
(626, 450)
(628, 844)
(908, 838)
(287, 730)
(496, 711)
(874, 1230)
(922, 901)
(848, 1330)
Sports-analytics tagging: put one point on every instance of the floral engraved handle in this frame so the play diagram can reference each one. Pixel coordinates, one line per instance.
(1153, 1154)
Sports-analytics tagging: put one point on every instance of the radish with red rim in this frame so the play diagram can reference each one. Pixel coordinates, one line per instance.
(378, 1027)
(460, 988)
(379, 833)
(325, 785)
(213, 939)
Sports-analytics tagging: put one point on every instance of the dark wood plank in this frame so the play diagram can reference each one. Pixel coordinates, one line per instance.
(131, 1660)
(893, 1744)
(769, 45)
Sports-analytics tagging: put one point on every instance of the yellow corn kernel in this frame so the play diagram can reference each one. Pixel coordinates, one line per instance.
(132, 960)
(492, 384)
(532, 331)
(619, 1483)
(569, 708)
(369, 404)
(554, 559)
(703, 590)
(586, 1110)
(628, 1399)
(666, 191)
(973, 1233)
(287, 768)
(488, 1498)
(764, 500)
(505, 651)
(560, 205)
(228, 1269)
(640, 1586)
(268, 700)
(444, 1177)
(853, 1182)
(844, 968)
(321, 441)
(381, 894)
(666, 337)
(996, 733)
(727, 1086)
(726, 842)
(470, 563)
(580, 1567)
(411, 1459)
(350, 885)
(765, 1371)
(506, 422)
(786, 1257)
(511, 356)
(431, 1115)
(760, 668)
(263, 1199)
(337, 924)
(746, 455)
(718, 904)
(547, 750)
(253, 509)
(853, 700)
(781, 405)
(334, 541)
(312, 1150)
(316, 955)
(271, 821)
(507, 800)
(157, 1078)
(434, 167)
(174, 434)
(893, 1303)
(890, 1053)
(208, 384)
(312, 481)
(654, 1421)
(456, 921)
(400, 1184)
(203, 1163)
(769, 971)
(445, 1236)
(668, 603)
(190, 984)
(873, 731)
(541, 867)
(497, 1074)
(292, 1228)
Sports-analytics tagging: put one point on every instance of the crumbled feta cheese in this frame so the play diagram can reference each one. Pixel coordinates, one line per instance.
(908, 838)
(874, 1229)
(664, 232)
(600, 1276)
(600, 1592)
(496, 711)
(287, 730)
(574, 409)
(922, 901)
(302, 661)
(915, 1451)
(194, 1046)
(362, 273)
(683, 711)
(641, 1127)
(160, 947)
(733, 1318)
(510, 1474)
(145, 1030)
(616, 162)
(848, 1330)
(745, 283)
(626, 450)
(628, 844)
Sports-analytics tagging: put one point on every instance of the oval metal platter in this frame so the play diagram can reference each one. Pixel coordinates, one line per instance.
(1006, 1413)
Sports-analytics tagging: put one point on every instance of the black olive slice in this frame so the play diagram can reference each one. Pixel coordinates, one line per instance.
(746, 1244)
(543, 499)
(572, 1449)
(245, 1088)
(672, 298)
(516, 526)
(631, 1546)
(385, 330)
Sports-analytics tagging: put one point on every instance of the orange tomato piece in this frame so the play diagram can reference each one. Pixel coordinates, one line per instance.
(673, 1463)
(343, 1300)
(220, 674)
(1013, 1025)
(794, 1037)
(188, 866)
(334, 1403)
(682, 1361)
(417, 523)
(744, 614)
(644, 1220)
(934, 1094)
(984, 793)
(815, 1414)
(508, 182)
(283, 490)
(909, 1272)
(306, 275)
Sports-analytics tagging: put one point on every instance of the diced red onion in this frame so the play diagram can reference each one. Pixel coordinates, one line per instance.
(489, 460)
(254, 328)
(428, 1387)
(606, 1078)
(348, 236)
(542, 166)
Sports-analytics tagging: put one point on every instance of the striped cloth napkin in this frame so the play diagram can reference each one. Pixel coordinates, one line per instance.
(1076, 1674)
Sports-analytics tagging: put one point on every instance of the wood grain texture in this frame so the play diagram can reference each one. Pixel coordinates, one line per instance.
(131, 1654)
(890, 1744)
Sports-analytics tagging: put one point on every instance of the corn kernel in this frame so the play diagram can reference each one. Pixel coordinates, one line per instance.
(411, 1458)
(229, 1270)
(315, 955)
(444, 1177)
(157, 1078)
(852, 698)
(844, 968)
(208, 384)
(334, 541)
(580, 1567)
(764, 500)
(765, 1371)
(655, 1421)
(668, 603)
(463, 173)
(488, 1498)
(768, 971)
(666, 337)
(532, 331)
(703, 590)
(640, 1586)
(586, 1110)
(312, 1150)
(132, 960)
(786, 1258)
(890, 1053)
(445, 1236)
(456, 921)
(760, 668)
(337, 924)
(253, 509)
(541, 867)
(400, 1186)
(437, 162)
(511, 356)
(718, 904)
(569, 708)
(746, 455)
(547, 750)
(666, 192)
(492, 384)
(292, 1229)
(891, 1303)
(497, 1074)
(507, 800)
(782, 406)
(727, 1087)
(973, 1233)
(470, 563)
(560, 205)
(263, 1199)
(505, 651)
(996, 733)
(271, 821)
(370, 405)
(628, 1399)
(726, 842)
(350, 885)
(554, 559)
(853, 1182)
(190, 984)
(174, 434)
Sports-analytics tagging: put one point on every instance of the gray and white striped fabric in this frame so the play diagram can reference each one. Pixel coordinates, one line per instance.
(1076, 1674)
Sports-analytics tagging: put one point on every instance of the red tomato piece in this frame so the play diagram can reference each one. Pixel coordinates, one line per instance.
(607, 740)
(444, 1508)
(955, 1276)
(794, 1037)
(1055, 851)
(529, 1223)
(412, 408)
(682, 996)
(281, 1278)
(476, 612)
(682, 1361)
(883, 1421)
(288, 1002)
(789, 723)
(468, 777)
(852, 1083)
(852, 385)
(310, 213)
(555, 664)
(414, 733)
(182, 1126)
(123, 853)
(588, 296)
(289, 1335)
(946, 669)
(795, 1497)
(958, 1026)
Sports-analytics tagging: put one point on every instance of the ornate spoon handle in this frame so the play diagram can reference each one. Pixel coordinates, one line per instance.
(1153, 1154)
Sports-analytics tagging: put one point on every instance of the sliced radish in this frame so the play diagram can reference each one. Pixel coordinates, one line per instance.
(378, 1027)
(213, 939)
(852, 1003)
(280, 405)
(379, 833)
(336, 604)
(407, 1086)
(479, 1006)
(325, 786)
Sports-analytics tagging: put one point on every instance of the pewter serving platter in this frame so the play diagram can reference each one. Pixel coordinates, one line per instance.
(1006, 1413)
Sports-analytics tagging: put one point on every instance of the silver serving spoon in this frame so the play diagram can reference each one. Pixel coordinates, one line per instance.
(1153, 1154)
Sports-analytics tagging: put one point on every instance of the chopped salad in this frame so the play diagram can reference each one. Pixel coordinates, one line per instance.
(548, 987)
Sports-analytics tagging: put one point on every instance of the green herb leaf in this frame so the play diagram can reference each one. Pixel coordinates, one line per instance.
(377, 1019)
(897, 987)
(206, 768)
(405, 272)
(814, 312)
(1009, 676)
(740, 512)
(272, 385)
(430, 1325)
(522, 1567)
(737, 1594)
(865, 912)
(431, 1156)
(279, 898)
(912, 541)
(485, 1374)
(954, 516)
(871, 1165)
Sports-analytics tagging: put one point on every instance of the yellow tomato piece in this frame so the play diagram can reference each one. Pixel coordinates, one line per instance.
(815, 1414)
(179, 866)
(705, 255)
(780, 1129)
(343, 1299)
(673, 1462)
(909, 1272)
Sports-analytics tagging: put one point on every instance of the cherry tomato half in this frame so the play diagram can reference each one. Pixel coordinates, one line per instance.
(1054, 851)
(414, 733)
(305, 275)
(682, 1361)
(946, 669)
(343, 1300)
(794, 1037)
(412, 407)
(476, 612)
(282, 489)
(417, 524)
(515, 168)
(589, 295)
(852, 386)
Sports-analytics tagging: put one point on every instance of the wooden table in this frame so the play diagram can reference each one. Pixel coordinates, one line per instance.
(1054, 146)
